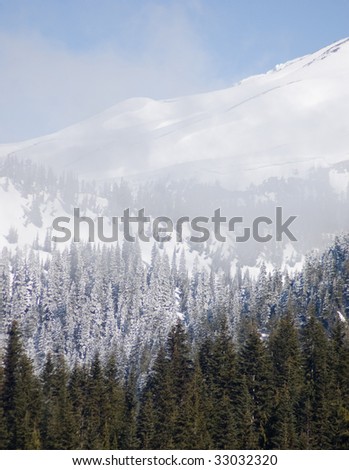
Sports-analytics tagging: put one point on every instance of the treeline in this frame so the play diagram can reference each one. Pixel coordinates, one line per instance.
(290, 391)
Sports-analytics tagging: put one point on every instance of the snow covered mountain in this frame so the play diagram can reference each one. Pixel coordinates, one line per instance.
(290, 119)
(274, 140)
(277, 139)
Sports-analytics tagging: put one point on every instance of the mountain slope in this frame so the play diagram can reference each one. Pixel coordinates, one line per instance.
(293, 117)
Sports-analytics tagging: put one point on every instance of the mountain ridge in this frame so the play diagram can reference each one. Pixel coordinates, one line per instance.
(294, 112)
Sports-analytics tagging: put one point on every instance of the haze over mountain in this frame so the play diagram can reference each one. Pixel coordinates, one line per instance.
(290, 119)
(277, 139)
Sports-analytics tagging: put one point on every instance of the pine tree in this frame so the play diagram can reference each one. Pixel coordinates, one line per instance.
(247, 437)
(114, 406)
(96, 400)
(58, 426)
(283, 421)
(77, 392)
(339, 400)
(47, 415)
(21, 396)
(159, 390)
(167, 387)
(191, 431)
(315, 400)
(219, 368)
(255, 371)
(129, 439)
(288, 381)
(146, 422)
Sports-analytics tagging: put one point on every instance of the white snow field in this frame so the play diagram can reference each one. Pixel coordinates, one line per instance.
(288, 120)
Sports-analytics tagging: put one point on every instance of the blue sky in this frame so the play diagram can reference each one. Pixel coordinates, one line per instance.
(64, 60)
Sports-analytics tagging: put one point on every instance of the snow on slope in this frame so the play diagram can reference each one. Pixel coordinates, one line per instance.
(288, 120)
(14, 209)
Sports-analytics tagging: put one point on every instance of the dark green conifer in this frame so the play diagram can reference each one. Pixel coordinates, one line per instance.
(255, 370)
(21, 396)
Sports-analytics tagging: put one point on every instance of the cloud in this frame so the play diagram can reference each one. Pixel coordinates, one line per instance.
(46, 85)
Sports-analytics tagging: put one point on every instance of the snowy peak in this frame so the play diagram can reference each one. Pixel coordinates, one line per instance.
(340, 48)
(292, 118)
